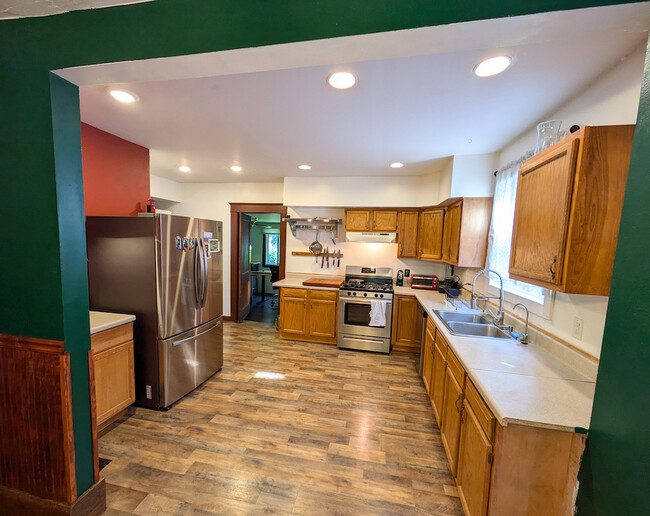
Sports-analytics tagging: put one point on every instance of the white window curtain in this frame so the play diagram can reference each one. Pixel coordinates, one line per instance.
(500, 236)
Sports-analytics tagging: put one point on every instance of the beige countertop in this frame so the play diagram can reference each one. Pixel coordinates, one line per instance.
(100, 321)
(521, 384)
(295, 281)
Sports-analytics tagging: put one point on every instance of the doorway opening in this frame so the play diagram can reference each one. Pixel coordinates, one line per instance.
(258, 243)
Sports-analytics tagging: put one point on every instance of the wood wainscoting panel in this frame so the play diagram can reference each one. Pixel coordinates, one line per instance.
(36, 437)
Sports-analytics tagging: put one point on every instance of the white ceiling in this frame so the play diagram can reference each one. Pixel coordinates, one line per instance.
(416, 101)
(28, 8)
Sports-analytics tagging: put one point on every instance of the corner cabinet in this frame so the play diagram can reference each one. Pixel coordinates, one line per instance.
(568, 210)
(308, 314)
(456, 231)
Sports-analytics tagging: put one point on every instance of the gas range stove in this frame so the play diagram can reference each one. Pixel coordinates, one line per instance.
(368, 282)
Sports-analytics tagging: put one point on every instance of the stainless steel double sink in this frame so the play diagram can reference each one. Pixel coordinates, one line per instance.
(469, 324)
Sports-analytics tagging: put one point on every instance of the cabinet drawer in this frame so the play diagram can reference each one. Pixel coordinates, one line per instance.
(293, 292)
(456, 368)
(107, 339)
(483, 413)
(441, 342)
(324, 294)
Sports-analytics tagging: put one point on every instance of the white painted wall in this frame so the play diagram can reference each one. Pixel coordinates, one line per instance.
(212, 201)
(473, 175)
(162, 188)
(612, 99)
(354, 253)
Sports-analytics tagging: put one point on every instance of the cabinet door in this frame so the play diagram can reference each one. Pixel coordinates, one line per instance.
(450, 431)
(384, 220)
(427, 361)
(293, 315)
(542, 215)
(407, 234)
(404, 323)
(322, 318)
(438, 382)
(357, 220)
(430, 237)
(474, 464)
(451, 237)
(114, 380)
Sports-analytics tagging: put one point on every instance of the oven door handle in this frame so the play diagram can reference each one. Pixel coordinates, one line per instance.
(363, 340)
(366, 301)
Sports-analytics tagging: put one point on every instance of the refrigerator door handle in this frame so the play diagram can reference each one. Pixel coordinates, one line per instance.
(197, 265)
(205, 272)
(194, 337)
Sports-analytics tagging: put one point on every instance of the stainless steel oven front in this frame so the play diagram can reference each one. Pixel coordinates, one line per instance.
(354, 330)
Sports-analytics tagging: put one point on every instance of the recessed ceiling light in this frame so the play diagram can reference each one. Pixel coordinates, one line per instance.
(304, 167)
(184, 168)
(397, 164)
(492, 66)
(236, 168)
(122, 95)
(341, 80)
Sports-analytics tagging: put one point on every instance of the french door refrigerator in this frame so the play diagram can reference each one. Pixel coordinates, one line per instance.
(166, 270)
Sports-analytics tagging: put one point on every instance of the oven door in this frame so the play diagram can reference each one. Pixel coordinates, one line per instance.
(354, 318)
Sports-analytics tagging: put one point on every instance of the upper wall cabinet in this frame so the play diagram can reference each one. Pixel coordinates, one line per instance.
(568, 209)
(363, 219)
(456, 231)
(407, 233)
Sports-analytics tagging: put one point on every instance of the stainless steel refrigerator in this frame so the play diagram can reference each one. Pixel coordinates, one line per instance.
(167, 270)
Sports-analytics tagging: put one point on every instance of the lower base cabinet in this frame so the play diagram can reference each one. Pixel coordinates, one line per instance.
(499, 470)
(308, 314)
(114, 371)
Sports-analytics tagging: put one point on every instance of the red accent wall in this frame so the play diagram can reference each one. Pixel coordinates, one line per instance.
(116, 173)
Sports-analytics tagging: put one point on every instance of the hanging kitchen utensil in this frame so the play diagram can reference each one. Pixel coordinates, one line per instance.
(332, 236)
(316, 247)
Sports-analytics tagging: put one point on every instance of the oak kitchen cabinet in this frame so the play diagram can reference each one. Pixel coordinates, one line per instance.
(366, 219)
(501, 469)
(405, 313)
(568, 209)
(407, 233)
(430, 234)
(465, 232)
(308, 314)
(438, 372)
(427, 359)
(113, 371)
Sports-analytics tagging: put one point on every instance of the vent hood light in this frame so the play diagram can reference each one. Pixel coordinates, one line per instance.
(184, 168)
(492, 66)
(122, 95)
(341, 80)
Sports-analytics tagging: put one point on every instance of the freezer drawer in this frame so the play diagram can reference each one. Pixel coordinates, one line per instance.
(189, 359)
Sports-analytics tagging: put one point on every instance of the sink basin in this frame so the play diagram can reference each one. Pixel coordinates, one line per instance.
(476, 330)
(450, 315)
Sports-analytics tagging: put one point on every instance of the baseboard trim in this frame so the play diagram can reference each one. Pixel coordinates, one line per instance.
(91, 503)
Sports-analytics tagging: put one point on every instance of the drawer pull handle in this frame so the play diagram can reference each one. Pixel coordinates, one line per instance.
(552, 267)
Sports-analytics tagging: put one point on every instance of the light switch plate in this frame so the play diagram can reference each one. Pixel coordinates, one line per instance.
(578, 323)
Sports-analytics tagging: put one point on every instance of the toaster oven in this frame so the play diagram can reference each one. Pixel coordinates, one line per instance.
(424, 282)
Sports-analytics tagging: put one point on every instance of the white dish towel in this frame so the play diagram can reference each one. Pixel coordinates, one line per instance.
(378, 313)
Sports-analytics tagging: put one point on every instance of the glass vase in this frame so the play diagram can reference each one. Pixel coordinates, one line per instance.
(548, 133)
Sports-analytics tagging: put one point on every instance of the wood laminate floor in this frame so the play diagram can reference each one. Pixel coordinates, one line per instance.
(327, 432)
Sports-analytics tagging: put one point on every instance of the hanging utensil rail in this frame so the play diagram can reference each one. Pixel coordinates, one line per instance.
(313, 224)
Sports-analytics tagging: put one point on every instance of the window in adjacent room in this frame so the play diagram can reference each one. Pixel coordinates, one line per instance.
(503, 216)
(271, 249)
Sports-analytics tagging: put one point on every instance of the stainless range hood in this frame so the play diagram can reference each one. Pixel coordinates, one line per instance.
(382, 238)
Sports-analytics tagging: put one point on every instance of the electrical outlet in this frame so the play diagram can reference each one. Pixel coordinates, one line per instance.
(577, 327)
(148, 392)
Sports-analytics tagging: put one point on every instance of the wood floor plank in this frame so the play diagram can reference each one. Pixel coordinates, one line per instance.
(337, 432)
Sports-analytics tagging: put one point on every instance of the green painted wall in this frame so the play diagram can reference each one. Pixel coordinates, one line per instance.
(43, 291)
